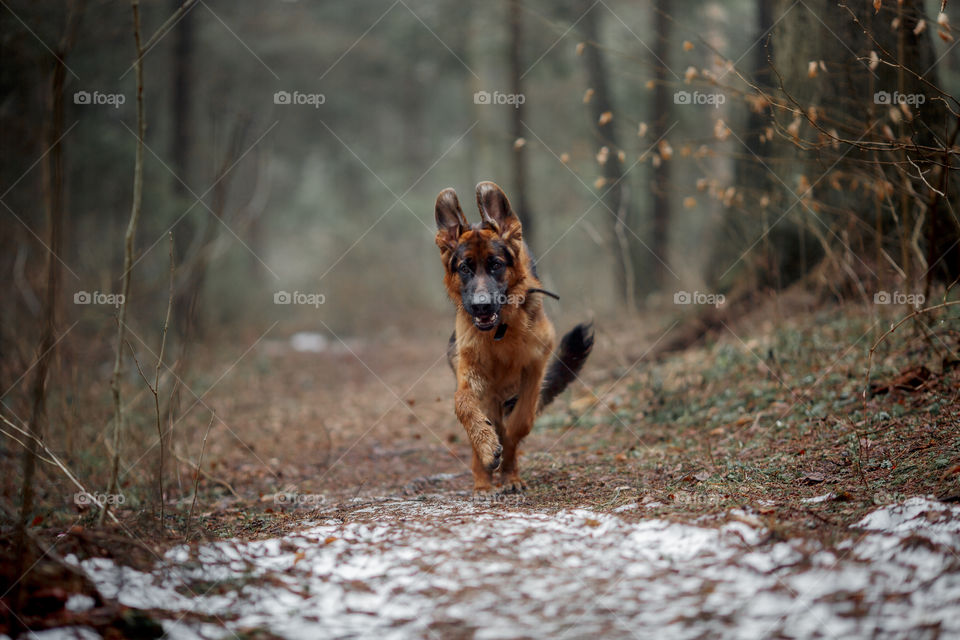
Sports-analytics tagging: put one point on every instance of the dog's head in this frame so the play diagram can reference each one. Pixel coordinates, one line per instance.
(484, 261)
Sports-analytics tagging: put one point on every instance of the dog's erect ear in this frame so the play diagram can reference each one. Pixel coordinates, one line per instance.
(450, 219)
(496, 211)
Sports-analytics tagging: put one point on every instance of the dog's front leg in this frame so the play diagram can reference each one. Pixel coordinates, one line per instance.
(518, 425)
(483, 437)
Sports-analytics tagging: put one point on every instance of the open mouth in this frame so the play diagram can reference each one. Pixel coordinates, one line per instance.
(486, 322)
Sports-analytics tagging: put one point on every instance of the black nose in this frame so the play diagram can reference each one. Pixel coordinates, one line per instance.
(483, 304)
(483, 309)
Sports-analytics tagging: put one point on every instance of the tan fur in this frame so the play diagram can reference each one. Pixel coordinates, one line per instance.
(490, 372)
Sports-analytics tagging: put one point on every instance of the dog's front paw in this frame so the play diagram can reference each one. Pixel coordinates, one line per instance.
(513, 485)
(488, 447)
(483, 490)
(492, 457)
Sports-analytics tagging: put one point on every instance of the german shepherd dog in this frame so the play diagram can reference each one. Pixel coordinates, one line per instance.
(502, 339)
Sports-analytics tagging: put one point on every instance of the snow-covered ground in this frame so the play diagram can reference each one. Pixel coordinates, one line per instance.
(440, 569)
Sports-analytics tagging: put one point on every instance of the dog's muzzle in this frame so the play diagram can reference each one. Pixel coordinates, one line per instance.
(484, 307)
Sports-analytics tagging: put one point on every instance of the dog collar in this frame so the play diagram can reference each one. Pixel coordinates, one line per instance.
(502, 329)
(544, 292)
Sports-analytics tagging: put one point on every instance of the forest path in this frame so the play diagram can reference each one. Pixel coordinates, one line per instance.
(692, 497)
(438, 567)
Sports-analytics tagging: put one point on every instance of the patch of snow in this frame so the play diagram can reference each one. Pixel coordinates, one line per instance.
(819, 499)
(79, 602)
(437, 477)
(415, 568)
(64, 633)
(309, 342)
(183, 631)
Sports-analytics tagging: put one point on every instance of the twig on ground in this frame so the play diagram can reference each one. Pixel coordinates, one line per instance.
(196, 477)
(156, 379)
(873, 349)
(55, 461)
(212, 478)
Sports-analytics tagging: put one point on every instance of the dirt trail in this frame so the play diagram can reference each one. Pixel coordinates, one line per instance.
(356, 417)
(696, 497)
(441, 568)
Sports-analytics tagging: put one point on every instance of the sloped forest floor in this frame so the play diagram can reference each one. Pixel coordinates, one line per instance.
(733, 489)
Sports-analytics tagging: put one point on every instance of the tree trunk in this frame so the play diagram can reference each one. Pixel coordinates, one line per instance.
(845, 94)
(660, 190)
(751, 175)
(129, 240)
(54, 197)
(616, 195)
(181, 138)
(518, 194)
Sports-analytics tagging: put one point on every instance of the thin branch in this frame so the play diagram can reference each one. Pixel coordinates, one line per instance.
(206, 474)
(196, 477)
(128, 259)
(920, 175)
(55, 461)
(165, 27)
(894, 327)
(156, 379)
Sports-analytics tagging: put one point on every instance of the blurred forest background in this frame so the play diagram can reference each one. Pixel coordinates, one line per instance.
(735, 148)
(337, 198)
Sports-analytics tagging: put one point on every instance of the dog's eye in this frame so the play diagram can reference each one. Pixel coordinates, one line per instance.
(464, 269)
(495, 265)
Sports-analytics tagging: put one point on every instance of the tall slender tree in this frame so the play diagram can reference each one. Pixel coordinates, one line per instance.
(751, 173)
(661, 112)
(616, 195)
(518, 150)
(859, 98)
(182, 132)
(54, 200)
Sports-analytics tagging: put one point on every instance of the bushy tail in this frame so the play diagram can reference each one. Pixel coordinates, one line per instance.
(573, 352)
